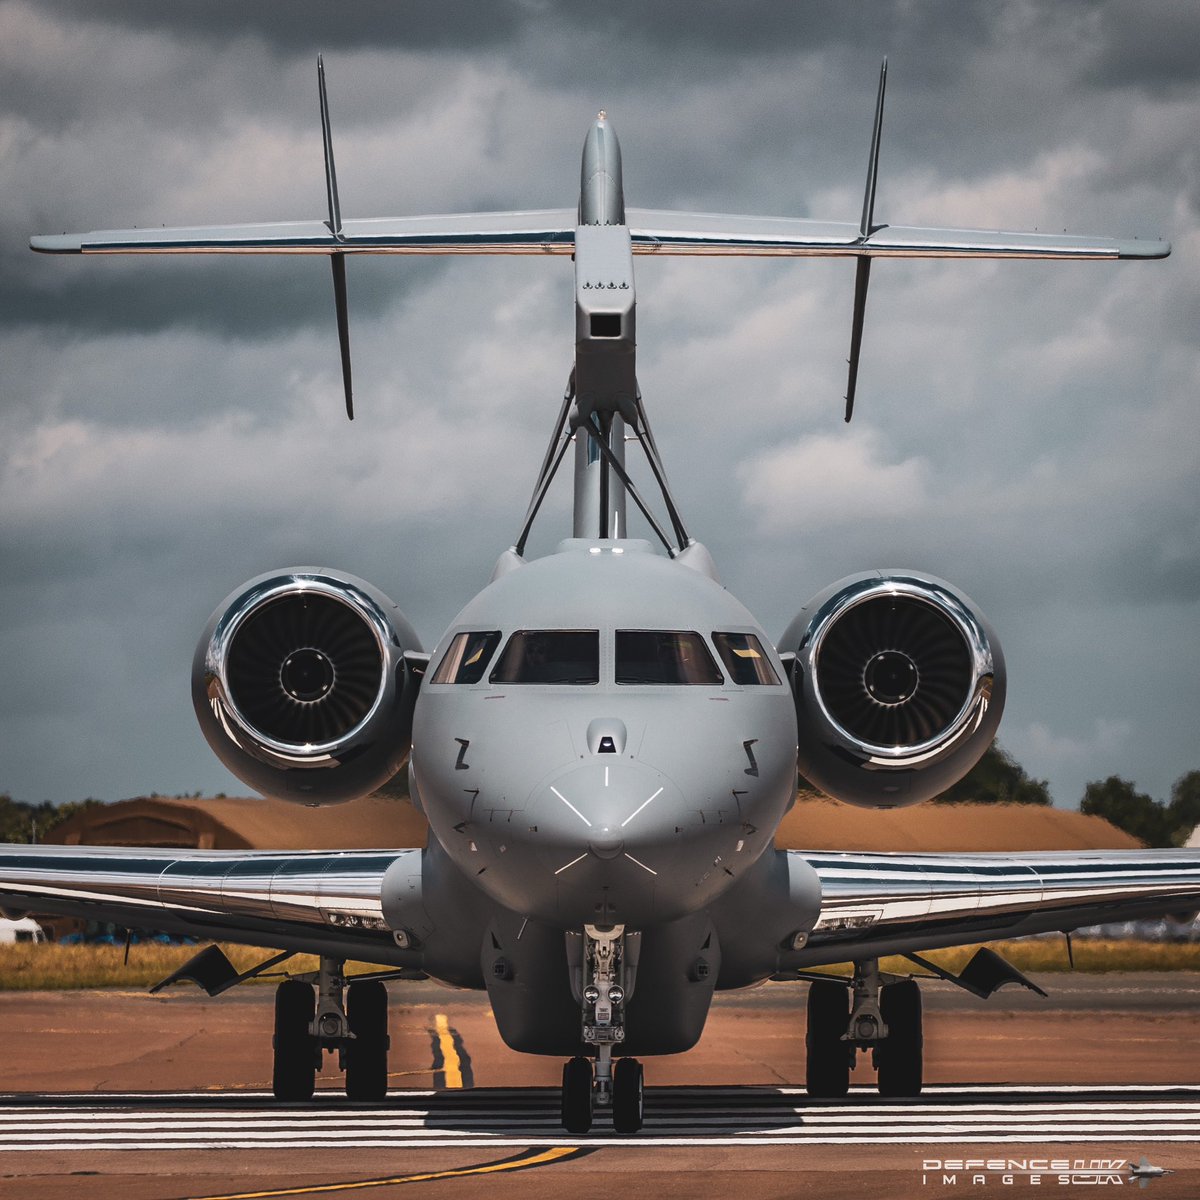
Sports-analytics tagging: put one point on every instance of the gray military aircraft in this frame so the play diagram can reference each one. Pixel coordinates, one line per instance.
(604, 740)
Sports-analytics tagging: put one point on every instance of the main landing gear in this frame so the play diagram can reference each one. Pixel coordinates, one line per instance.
(882, 1017)
(307, 1024)
(587, 1083)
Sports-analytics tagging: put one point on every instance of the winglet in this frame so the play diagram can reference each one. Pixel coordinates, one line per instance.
(331, 191)
(337, 259)
(862, 275)
(868, 213)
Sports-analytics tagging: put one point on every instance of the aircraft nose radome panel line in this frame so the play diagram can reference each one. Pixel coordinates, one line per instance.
(604, 740)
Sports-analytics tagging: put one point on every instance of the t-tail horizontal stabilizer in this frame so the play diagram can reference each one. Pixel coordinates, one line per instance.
(603, 232)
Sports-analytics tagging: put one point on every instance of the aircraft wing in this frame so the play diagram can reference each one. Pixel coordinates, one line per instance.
(552, 231)
(319, 902)
(663, 232)
(876, 904)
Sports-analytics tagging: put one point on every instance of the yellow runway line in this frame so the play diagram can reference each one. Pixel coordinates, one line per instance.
(530, 1158)
(451, 1064)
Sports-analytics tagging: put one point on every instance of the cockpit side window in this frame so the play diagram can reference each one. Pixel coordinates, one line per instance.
(550, 656)
(467, 658)
(744, 658)
(664, 656)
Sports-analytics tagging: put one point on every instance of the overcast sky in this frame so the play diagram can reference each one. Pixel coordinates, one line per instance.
(170, 427)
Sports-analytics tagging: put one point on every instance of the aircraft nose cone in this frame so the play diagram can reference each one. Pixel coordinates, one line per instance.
(606, 843)
(606, 808)
(610, 839)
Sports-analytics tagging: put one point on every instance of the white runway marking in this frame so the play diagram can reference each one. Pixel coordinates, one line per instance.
(1056, 1115)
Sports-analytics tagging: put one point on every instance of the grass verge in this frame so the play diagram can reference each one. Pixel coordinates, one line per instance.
(51, 967)
(1092, 956)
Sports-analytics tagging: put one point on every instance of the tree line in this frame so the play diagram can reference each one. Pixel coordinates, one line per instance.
(996, 779)
(26, 823)
(999, 778)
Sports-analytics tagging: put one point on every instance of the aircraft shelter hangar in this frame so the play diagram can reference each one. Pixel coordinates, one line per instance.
(814, 823)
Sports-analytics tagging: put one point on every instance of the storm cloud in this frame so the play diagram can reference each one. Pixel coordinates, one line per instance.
(171, 427)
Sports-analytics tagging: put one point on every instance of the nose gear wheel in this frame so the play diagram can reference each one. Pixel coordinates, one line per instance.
(577, 1095)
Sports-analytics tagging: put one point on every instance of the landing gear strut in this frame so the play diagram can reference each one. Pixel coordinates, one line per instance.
(307, 1024)
(884, 1018)
(603, 998)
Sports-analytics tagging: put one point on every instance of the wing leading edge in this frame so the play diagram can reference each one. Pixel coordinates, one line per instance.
(343, 903)
(875, 904)
(552, 231)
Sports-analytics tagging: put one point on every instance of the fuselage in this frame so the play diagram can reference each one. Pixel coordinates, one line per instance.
(619, 745)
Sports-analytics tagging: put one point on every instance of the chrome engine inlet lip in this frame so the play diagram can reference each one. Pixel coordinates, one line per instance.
(276, 588)
(942, 600)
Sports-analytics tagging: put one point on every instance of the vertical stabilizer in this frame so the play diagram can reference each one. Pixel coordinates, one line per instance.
(601, 189)
(605, 369)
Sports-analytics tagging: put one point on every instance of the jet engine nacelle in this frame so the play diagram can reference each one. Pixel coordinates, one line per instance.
(301, 686)
(899, 683)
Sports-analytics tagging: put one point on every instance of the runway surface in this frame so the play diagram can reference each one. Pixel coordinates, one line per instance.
(164, 1098)
(1062, 1116)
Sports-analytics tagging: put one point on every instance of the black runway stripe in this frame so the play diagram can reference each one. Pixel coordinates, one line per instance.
(512, 1117)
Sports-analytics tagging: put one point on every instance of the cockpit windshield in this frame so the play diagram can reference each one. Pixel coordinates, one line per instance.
(467, 658)
(660, 656)
(550, 656)
(744, 658)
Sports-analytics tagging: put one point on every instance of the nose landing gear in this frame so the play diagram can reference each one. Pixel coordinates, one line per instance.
(581, 1094)
(603, 997)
